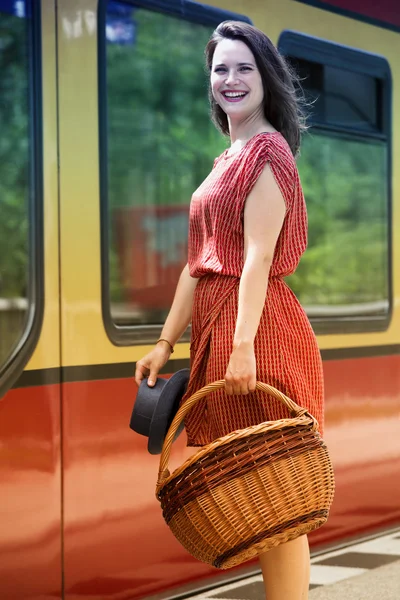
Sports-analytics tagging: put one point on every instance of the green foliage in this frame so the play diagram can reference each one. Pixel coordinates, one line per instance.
(161, 142)
(14, 156)
(161, 145)
(344, 183)
(14, 177)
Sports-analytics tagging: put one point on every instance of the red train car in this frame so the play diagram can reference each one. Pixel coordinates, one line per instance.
(105, 135)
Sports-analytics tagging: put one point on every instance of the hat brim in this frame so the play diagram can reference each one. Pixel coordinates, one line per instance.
(166, 409)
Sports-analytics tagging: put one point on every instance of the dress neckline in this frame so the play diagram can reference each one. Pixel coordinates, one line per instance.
(225, 154)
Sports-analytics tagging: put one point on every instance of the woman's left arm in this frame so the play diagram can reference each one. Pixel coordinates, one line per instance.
(263, 218)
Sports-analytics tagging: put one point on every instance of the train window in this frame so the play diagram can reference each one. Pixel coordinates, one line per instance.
(344, 278)
(157, 144)
(341, 97)
(19, 197)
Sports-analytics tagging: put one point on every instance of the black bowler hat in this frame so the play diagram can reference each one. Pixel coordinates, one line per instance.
(155, 408)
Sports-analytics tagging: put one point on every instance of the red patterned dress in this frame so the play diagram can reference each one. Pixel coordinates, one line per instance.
(286, 350)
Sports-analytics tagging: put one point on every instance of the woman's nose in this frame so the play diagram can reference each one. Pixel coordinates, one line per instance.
(231, 77)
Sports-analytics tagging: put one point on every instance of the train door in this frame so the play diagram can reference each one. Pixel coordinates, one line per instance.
(30, 441)
(108, 483)
(115, 540)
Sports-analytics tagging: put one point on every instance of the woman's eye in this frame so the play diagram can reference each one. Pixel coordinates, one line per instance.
(219, 70)
(245, 68)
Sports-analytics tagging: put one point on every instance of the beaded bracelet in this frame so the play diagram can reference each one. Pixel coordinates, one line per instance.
(170, 345)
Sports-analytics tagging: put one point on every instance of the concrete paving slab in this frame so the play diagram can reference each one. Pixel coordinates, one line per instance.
(382, 583)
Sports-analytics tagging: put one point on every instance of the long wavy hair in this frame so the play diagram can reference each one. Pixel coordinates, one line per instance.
(284, 103)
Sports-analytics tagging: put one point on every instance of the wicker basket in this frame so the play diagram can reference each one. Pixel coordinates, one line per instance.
(248, 491)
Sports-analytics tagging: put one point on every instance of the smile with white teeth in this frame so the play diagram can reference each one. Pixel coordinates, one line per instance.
(235, 96)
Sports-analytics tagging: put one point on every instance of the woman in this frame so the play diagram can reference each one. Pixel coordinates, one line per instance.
(247, 231)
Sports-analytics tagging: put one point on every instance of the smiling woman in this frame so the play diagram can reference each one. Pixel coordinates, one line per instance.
(236, 80)
(78, 516)
(272, 85)
(247, 232)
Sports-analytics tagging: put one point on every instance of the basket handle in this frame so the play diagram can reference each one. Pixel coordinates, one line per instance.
(163, 473)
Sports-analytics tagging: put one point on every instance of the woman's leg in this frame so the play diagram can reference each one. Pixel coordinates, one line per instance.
(286, 570)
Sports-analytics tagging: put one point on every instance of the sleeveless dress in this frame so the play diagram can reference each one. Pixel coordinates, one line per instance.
(287, 355)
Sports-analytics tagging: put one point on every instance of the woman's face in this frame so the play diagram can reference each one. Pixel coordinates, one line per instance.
(235, 80)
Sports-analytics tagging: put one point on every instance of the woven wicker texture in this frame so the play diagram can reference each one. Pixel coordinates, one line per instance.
(249, 491)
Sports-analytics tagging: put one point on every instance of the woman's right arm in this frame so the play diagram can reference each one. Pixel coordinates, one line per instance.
(176, 323)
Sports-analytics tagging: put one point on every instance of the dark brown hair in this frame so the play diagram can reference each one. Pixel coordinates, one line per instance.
(283, 99)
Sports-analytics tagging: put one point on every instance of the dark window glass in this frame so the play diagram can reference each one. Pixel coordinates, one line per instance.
(345, 270)
(341, 97)
(350, 98)
(15, 172)
(161, 145)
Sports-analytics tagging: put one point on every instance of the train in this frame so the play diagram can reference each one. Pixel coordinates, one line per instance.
(105, 134)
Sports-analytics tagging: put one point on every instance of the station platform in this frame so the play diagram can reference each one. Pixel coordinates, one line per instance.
(368, 570)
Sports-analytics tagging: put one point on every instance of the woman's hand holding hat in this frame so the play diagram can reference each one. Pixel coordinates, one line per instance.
(151, 364)
(155, 406)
